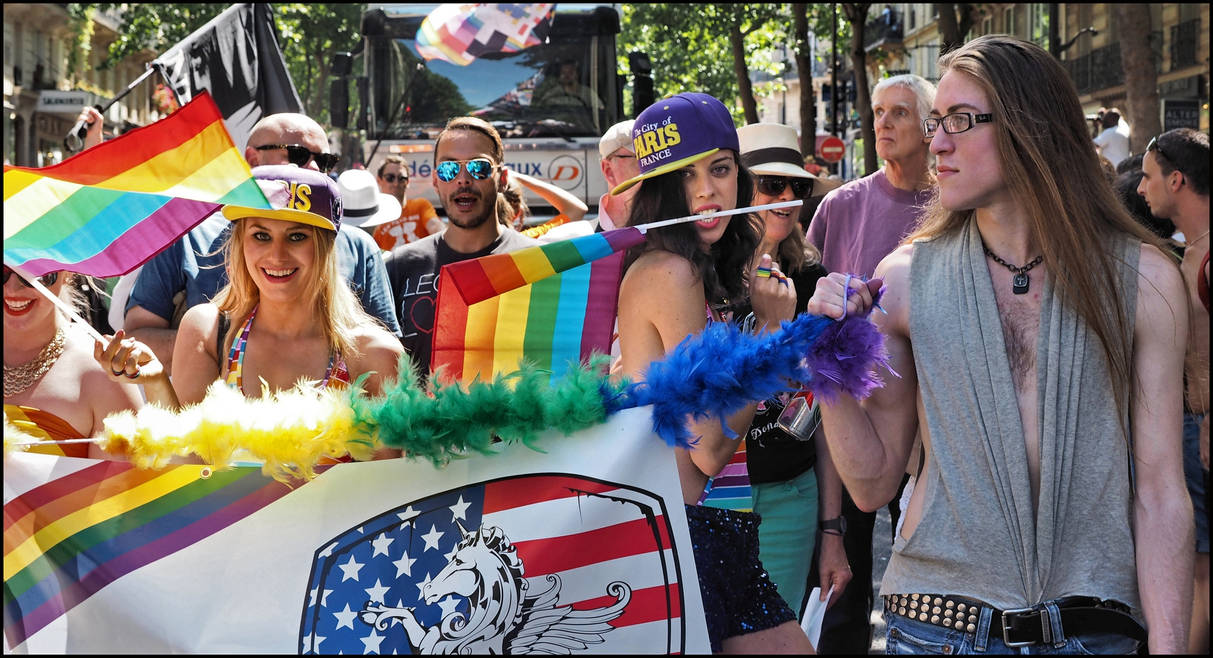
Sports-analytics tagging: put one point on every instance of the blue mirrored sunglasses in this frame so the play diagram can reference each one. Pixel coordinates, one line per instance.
(478, 169)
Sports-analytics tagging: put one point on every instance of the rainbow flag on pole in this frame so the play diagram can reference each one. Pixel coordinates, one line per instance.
(109, 209)
(552, 304)
(72, 536)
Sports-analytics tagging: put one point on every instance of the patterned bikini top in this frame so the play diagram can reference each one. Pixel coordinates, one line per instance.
(336, 373)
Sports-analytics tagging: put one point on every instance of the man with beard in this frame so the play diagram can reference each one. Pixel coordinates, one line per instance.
(468, 174)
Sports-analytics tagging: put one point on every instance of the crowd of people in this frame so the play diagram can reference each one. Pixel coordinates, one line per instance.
(1041, 438)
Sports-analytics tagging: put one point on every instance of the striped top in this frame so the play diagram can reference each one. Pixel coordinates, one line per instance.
(335, 372)
(730, 489)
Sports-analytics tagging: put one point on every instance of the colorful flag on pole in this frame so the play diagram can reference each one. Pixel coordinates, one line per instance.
(236, 57)
(109, 209)
(460, 33)
(553, 305)
(519, 551)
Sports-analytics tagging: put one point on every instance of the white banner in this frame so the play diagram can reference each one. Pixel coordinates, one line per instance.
(583, 549)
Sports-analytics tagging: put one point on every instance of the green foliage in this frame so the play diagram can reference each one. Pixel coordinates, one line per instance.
(309, 35)
(81, 24)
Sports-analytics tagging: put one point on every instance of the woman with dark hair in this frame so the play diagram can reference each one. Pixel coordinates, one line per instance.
(682, 278)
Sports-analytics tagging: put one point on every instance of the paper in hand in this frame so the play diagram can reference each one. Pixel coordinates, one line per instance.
(814, 613)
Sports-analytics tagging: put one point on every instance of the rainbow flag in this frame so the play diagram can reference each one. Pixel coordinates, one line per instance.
(110, 208)
(552, 304)
(68, 538)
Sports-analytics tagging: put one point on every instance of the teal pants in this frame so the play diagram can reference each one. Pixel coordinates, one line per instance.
(788, 532)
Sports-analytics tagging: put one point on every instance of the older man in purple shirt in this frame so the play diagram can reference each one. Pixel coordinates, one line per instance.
(855, 227)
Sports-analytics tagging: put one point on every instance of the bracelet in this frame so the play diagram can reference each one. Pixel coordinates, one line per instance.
(836, 533)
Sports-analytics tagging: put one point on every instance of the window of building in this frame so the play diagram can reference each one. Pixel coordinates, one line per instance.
(987, 25)
(1008, 20)
(1038, 24)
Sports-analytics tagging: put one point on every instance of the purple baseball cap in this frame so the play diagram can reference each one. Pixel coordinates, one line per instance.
(296, 195)
(677, 131)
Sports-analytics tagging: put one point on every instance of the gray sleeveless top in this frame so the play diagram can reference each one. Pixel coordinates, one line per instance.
(979, 536)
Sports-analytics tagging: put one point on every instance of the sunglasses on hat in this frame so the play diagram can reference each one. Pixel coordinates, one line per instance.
(392, 178)
(478, 169)
(300, 155)
(774, 185)
(45, 279)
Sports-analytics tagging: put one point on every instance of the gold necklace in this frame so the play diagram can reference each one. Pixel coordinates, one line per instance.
(19, 378)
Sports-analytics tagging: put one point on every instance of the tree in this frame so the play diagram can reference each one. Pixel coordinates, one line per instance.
(857, 16)
(955, 21)
(804, 68)
(309, 35)
(1139, 62)
(688, 54)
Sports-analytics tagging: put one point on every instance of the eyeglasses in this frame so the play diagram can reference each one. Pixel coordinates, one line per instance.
(478, 169)
(300, 155)
(392, 178)
(774, 185)
(45, 279)
(1154, 145)
(957, 122)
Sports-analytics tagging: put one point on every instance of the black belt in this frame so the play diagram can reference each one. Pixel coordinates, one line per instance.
(1026, 626)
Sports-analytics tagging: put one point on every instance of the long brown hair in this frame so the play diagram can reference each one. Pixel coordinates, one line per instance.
(332, 302)
(1053, 171)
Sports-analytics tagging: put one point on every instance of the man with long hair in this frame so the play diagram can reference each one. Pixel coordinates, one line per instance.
(1037, 332)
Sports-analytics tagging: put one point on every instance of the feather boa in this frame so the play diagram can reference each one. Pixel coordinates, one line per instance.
(721, 370)
(710, 375)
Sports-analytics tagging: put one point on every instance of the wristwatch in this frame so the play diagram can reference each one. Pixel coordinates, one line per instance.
(835, 526)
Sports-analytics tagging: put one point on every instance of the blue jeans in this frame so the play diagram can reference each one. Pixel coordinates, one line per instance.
(907, 636)
(1194, 475)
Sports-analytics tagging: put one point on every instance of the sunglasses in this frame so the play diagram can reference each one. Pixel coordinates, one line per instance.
(478, 169)
(1154, 145)
(300, 155)
(774, 185)
(45, 279)
(392, 178)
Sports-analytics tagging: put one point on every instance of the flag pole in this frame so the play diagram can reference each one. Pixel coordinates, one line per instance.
(719, 213)
(33, 282)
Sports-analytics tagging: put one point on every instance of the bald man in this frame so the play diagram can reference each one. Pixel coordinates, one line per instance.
(191, 270)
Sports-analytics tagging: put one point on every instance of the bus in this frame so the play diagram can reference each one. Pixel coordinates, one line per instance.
(549, 132)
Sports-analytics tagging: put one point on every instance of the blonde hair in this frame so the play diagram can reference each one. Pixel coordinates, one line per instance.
(331, 302)
(1050, 168)
(796, 253)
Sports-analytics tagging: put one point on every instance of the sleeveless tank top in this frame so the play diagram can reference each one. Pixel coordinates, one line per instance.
(335, 374)
(979, 535)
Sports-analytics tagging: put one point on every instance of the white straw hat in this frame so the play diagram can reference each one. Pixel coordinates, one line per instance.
(773, 149)
(364, 204)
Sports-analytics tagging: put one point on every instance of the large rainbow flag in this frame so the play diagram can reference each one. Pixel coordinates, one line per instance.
(459, 33)
(553, 305)
(72, 536)
(110, 208)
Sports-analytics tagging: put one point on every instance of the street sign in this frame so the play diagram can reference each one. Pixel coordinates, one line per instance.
(831, 149)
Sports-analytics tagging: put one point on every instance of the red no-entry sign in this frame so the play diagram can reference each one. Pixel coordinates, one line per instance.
(831, 149)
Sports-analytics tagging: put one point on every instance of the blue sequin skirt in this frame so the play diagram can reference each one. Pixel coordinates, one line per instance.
(738, 595)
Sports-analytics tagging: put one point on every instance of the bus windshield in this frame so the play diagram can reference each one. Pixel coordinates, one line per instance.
(565, 87)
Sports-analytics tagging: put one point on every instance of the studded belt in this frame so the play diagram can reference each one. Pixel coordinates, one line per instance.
(1022, 627)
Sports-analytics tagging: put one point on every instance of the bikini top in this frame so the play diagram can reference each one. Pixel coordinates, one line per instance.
(336, 372)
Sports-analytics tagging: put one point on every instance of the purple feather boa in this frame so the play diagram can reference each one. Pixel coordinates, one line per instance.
(720, 370)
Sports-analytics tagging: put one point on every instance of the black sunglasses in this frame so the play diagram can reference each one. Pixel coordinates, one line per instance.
(392, 178)
(299, 155)
(45, 279)
(774, 185)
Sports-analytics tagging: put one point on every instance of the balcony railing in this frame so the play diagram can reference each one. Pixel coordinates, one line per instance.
(886, 29)
(1101, 68)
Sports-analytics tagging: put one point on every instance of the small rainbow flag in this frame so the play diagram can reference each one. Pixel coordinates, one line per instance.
(68, 538)
(552, 304)
(110, 208)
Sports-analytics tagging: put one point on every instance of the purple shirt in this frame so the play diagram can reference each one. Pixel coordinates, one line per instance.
(863, 221)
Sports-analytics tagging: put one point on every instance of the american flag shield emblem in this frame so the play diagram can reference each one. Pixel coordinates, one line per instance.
(537, 563)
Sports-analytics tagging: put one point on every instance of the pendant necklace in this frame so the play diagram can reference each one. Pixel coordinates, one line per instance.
(1020, 282)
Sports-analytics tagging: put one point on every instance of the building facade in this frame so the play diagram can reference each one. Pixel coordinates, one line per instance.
(43, 96)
